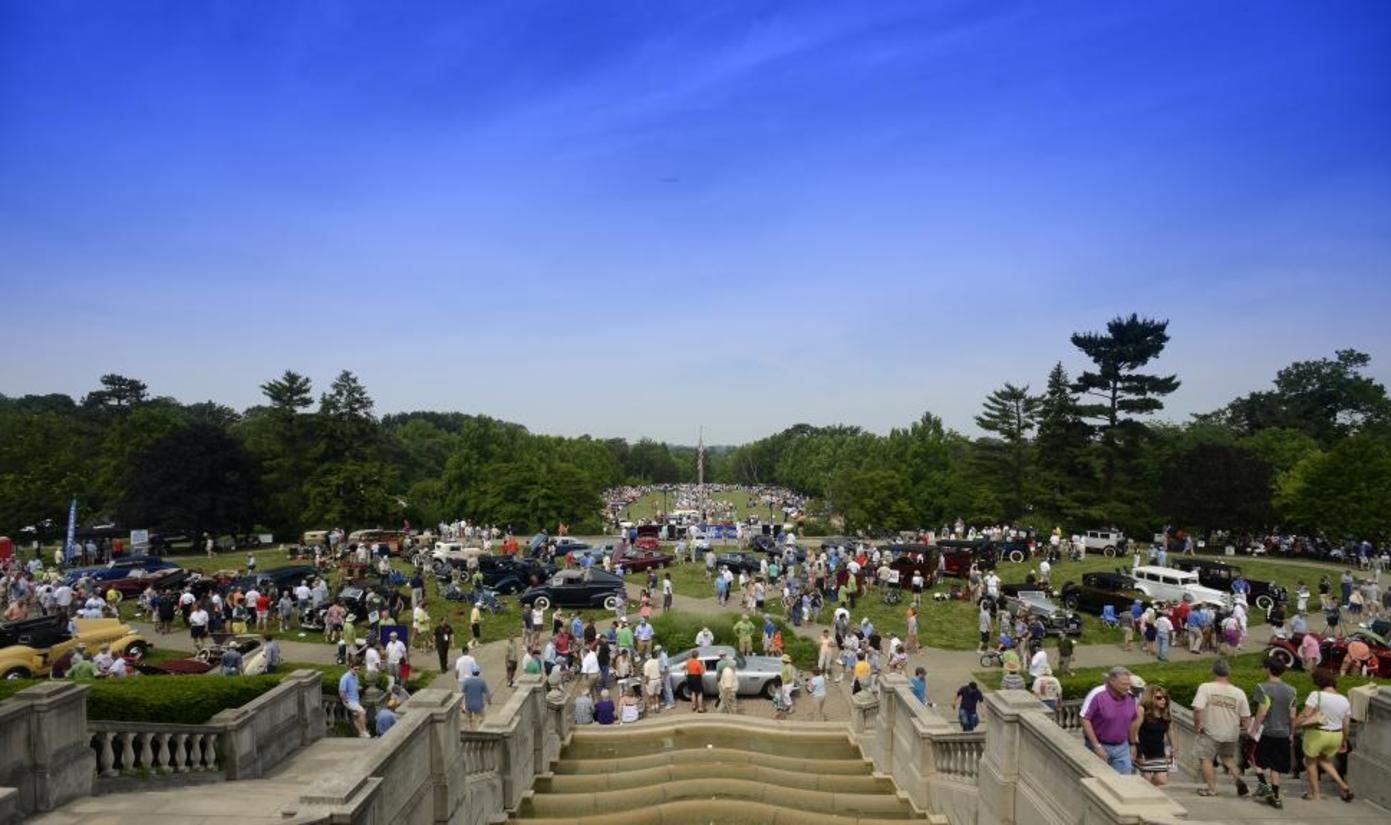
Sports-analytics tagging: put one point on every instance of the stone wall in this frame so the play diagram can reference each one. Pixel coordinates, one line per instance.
(45, 751)
(1369, 766)
(259, 735)
(1022, 769)
(413, 775)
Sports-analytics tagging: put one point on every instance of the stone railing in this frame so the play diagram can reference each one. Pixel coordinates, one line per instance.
(238, 743)
(415, 773)
(1369, 763)
(335, 714)
(150, 748)
(1069, 714)
(1022, 768)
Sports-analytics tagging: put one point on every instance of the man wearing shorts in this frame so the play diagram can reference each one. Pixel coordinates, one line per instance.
(1220, 712)
(652, 683)
(1274, 702)
(348, 695)
(198, 626)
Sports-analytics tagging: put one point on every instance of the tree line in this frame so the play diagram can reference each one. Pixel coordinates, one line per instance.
(1312, 453)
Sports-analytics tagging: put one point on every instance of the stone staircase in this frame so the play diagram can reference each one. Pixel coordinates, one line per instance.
(715, 772)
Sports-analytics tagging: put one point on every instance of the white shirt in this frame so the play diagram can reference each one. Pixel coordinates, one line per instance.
(1335, 708)
(1038, 663)
(463, 666)
(251, 596)
(589, 666)
(198, 617)
(395, 651)
(372, 660)
(302, 593)
(704, 638)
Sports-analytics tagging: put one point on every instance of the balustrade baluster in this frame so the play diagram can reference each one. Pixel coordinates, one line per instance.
(106, 757)
(179, 753)
(146, 751)
(127, 751)
(162, 761)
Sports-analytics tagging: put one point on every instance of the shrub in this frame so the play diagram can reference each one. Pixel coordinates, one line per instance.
(184, 700)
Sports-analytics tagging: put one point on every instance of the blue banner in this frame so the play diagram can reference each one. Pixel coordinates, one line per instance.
(68, 548)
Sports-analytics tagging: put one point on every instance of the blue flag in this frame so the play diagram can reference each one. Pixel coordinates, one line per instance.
(69, 546)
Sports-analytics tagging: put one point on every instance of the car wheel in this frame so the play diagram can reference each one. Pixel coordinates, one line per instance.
(1109, 551)
(682, 693)
(136, 650)
(1265, 602)
(1016, 556)
(1071, 602)
(769, 690)
(612, 602)
(541, 603)
(17, 673)
(1283, 656)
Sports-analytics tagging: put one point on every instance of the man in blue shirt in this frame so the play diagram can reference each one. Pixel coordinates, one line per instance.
(351, 699)
(476, 693)
(386, 717)
(919, 684)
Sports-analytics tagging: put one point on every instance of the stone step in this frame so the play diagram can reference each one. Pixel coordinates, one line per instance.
(647, 777)
(843, 767)
(605, 804)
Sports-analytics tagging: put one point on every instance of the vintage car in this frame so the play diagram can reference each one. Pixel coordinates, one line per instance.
(1170, 585)
(119, 568)
(208, 660)
(756, 673)
(135, 583)
(279, 578)
(1333, 651)
(1109, 542)
(575, 588)
(913, 558)
(649, 537)
(738, 560)
(960, 554)
(354, 598)
(448, 553)
(31, 647)
(1098, 590)
(1057, 620)
(567, 544)
(510, 574)
(634, 560)
(395, 540)
(1219, 576)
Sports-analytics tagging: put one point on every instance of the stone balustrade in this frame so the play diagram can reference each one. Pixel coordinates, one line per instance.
(147, 748)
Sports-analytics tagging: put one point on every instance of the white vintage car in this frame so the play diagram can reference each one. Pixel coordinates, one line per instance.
(1170, 585)
(449, 552)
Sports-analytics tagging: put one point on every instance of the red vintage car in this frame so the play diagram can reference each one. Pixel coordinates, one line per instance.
(638, 558)
(649, 537)
(1334, 651)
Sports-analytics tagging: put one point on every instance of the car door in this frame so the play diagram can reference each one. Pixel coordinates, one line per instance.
(710, 681)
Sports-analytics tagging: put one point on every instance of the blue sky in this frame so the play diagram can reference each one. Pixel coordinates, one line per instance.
(636, 218)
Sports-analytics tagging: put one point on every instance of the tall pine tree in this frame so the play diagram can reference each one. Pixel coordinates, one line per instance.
(1011, 414)
(1062, 442)
(1118, 392)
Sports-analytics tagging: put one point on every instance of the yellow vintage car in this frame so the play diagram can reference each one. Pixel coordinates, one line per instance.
(31, 647)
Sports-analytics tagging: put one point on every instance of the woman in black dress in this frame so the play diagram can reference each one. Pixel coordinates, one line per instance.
(1151, 730)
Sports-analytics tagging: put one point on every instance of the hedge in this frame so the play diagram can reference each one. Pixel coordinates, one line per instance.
(184, 700)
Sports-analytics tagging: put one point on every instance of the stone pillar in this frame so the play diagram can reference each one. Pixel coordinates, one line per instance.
(48, 755)
(558, 722)
(998, 778)
(864, 724)
(1369, 766)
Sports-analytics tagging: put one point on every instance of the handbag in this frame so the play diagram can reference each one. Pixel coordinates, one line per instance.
(1317, 719)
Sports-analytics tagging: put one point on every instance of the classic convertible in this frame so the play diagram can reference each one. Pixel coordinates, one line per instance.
(31, 647)
(755, 673)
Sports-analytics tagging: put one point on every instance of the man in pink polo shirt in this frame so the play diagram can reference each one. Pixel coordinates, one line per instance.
(1107, 713)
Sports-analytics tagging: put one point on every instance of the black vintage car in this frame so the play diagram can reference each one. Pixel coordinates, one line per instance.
(1220, 575)
(1098, 590)
(739, 560)
(356, 599)
(509, 574)
(279, 577)
(571, 588)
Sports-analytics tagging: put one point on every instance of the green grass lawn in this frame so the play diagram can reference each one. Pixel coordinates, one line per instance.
(648, 506)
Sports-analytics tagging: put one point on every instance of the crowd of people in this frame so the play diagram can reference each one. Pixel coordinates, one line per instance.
(1130, 725)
